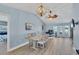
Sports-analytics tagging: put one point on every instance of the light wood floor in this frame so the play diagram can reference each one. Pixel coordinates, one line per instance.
(56, 46)
(3, 48)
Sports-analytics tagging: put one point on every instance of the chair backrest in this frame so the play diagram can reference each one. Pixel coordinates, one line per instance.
(29, 35)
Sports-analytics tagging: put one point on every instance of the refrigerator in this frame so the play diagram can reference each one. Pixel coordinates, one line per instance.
(76, 38)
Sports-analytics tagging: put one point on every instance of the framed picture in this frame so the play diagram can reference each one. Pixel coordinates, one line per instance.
(28, 26)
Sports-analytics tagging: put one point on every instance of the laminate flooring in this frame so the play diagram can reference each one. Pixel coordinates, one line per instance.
(56, 46)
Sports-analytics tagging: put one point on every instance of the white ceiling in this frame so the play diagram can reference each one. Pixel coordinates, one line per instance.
(64, 11)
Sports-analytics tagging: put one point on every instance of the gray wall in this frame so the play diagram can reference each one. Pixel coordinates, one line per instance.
(17, 25)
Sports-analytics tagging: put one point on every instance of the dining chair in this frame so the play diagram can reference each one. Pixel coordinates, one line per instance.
(43, 42)
(30, 40)
(28, 37)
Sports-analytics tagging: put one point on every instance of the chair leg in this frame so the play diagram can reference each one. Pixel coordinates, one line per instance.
(30, 43)
(38, 45)
(45, 44)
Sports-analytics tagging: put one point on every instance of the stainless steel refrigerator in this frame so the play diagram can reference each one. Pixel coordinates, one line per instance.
(76, 37)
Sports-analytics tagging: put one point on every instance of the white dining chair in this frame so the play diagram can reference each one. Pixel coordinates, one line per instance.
(43, 42)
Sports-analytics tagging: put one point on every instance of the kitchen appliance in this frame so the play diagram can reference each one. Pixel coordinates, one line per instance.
(76, 36)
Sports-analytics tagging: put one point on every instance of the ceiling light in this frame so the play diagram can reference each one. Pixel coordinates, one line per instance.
(50, 16)
(41, 11)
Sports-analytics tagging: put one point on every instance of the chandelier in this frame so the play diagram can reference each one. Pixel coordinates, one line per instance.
(41, 11)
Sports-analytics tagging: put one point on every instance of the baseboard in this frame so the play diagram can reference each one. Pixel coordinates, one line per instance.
(18, 47)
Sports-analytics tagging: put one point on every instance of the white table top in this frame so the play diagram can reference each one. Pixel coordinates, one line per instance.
(37, 37)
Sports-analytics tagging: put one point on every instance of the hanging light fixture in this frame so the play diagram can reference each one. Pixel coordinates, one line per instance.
(50, 16)
(41, 10)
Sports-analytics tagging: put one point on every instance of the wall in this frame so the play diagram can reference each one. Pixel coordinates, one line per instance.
(17, 25)
(75, 11)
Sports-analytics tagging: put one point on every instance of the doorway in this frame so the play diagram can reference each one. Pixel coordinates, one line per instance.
(3, 33)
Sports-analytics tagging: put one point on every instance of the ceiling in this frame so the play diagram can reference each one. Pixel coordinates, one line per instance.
(63, 10)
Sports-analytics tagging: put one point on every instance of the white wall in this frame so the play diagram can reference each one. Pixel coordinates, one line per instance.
(75, 11)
